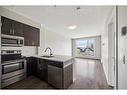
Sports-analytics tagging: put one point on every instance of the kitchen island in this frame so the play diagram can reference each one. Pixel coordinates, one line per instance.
(56, 70)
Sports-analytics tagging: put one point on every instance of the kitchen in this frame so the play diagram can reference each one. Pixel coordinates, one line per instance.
(30, 50)
(14, 65)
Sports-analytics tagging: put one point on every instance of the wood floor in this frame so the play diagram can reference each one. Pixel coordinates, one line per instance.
(88, 74)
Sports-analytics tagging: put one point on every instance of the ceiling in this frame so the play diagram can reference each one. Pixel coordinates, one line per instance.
(88, 19)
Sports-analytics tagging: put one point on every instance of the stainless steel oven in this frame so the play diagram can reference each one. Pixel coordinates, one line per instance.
(13, 66)
(8, 40)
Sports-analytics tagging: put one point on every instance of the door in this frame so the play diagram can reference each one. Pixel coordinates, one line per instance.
(122, 48)
(111, 53)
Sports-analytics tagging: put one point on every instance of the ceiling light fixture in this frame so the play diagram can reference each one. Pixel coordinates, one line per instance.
(78, 8)
(72, 27)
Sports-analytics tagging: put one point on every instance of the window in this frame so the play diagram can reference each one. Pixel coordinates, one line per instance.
(85, 47)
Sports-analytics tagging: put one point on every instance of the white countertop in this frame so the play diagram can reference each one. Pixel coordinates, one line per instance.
(60, 58)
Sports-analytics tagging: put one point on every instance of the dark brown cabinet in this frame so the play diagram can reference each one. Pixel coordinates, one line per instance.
(34, 62)
(42, 71)
(17, 28)
(11, 27)
(31, 35)
(29, 66)
(6, 27)
(52, 72)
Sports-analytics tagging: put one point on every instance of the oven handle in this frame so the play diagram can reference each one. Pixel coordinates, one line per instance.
(13, 62)
(10, 65)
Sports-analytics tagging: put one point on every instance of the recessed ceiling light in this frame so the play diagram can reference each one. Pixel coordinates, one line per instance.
(72, 27)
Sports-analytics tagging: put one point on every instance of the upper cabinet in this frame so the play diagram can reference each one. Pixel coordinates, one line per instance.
(31, 35)
(11, 27)
(17, 28)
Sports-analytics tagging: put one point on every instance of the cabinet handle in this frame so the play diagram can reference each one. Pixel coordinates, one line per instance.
(10, 31)
(13, 32)
(32, 42)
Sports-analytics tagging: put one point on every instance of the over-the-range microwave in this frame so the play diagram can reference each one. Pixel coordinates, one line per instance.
(9, 40)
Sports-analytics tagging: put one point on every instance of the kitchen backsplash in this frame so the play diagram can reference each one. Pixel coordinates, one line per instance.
(26, 50)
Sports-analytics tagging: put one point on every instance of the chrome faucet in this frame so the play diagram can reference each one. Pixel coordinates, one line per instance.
(50, 50)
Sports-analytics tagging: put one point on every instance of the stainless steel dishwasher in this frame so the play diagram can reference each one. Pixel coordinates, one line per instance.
(55, 76)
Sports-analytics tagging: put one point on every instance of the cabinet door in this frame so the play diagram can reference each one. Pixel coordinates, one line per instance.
(68, 76)
(27, 35)
(6, 27)
(34, 62)
(17, 28)
(42, 70)
(36, 36)
(55, 76)
(29, 66)
(31, 35)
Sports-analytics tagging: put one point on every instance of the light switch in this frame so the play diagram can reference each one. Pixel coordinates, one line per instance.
(124, 30)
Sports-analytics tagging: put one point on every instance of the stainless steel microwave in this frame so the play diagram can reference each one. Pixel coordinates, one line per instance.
(8, 40)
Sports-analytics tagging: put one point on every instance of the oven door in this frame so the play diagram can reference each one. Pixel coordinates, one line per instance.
(13, 68)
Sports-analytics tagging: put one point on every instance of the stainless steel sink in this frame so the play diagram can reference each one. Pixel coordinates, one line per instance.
(47, 56)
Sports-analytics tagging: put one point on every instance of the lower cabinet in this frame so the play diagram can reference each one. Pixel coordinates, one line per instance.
(42, 72)
(51, 72)
(67, 76)
(34, 68)
(29, 66)
(60, 78)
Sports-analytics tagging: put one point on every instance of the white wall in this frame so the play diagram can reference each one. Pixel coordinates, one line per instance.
(60, 44)
(26, 50)
(122, 48)
(104, 42)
